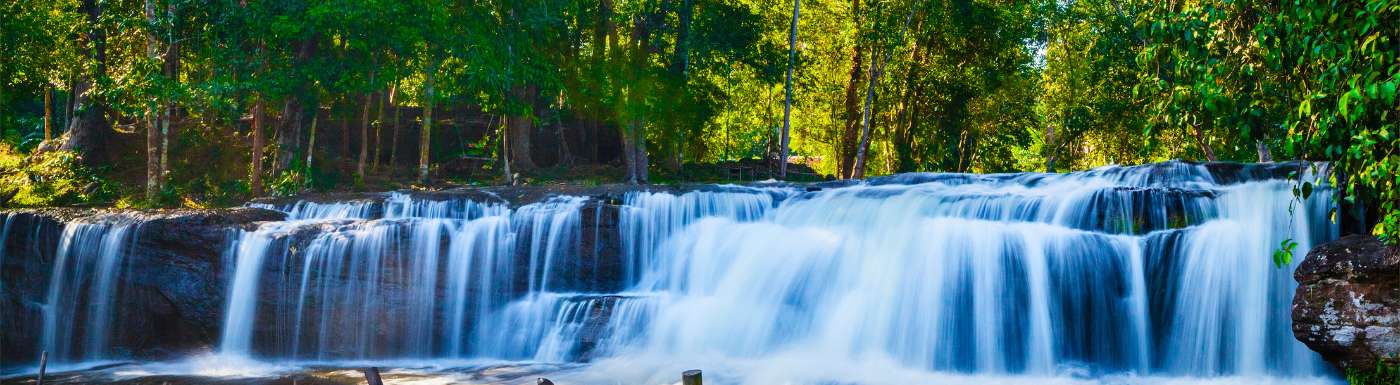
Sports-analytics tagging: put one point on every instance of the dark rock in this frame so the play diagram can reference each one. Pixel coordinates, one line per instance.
(169, 299)
(1347, 306)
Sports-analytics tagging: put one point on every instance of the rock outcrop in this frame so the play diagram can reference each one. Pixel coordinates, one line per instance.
(1347, 306)
(169, 299)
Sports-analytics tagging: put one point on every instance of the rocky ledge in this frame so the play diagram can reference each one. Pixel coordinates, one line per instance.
(171, 296)
(1347, 306)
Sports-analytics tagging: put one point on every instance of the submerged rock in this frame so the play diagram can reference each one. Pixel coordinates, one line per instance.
(1347, 306)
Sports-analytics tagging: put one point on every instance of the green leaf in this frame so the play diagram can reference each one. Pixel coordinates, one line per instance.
(1342, 105)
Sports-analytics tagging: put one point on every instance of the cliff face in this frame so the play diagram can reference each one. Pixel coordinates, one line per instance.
(1347, 306)
(168, 298)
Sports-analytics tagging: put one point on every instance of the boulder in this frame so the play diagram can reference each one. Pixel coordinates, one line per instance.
(1347, 305)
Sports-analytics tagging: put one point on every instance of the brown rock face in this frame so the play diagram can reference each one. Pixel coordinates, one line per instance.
(1347, 306)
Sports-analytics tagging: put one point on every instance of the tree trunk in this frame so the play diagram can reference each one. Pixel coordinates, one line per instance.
(787, 102)
(505, 151)
(311, 144)
(72, 101)
(258, 144)
(641, 33)
(849, 135)
(89, 133)
(425, 138)
(681, 66)
(287, 138)
(394, 138)
(1051, 149)
(172, 72)
(364, 136)
(520, 126)
(875, 71)
(1201, 141)
(48, 113)
(566, 155)
(902, 140)
(152, 112)
(375, 159)
(293, 112)
(643, 163)
(858, 170)
(152, 155)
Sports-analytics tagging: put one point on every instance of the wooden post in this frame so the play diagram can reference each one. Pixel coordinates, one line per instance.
(691, 377)
(43, 365)
(543, 381)
(372, 376)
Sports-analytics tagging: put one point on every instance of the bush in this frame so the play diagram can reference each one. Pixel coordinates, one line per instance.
(48, 178)
(1383, 375)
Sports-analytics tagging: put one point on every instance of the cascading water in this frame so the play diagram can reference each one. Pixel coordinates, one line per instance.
(406, 283)
(77, 315)
(1156, 271)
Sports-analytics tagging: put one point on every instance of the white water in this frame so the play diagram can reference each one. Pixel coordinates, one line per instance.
(86, 268)
(410, 279)
(1153, 274)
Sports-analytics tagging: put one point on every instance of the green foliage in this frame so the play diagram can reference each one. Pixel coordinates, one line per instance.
(1383, 375)
(1344, 62)
(1317, 77)
(49, 178)
(1283, 255)
(291, 182)
(959, 85)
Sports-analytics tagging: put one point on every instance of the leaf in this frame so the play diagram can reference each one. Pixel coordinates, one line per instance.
(1342, 104)
(1283, 256)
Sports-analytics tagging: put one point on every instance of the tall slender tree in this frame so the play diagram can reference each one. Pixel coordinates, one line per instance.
(787, 89)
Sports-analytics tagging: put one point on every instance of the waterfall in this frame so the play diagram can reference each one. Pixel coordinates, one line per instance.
(82, 290)
(1136, 270)
(404, 277)
(1160, 270)
(651, 217)
(1152, 270)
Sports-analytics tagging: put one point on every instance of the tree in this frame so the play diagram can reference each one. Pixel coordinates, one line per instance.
(90, 133)
(877, 68)
(426, 135)
(787, 102)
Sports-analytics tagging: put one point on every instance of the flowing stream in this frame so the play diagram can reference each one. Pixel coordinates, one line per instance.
(1159, 272)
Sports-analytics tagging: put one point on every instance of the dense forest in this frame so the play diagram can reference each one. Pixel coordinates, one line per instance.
(200, 103)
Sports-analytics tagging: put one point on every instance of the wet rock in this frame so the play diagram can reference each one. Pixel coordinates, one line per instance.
(168, 300)
(1347, 306)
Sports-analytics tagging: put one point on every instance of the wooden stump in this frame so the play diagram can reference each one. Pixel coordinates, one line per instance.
(372, 376)
(691, 377)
